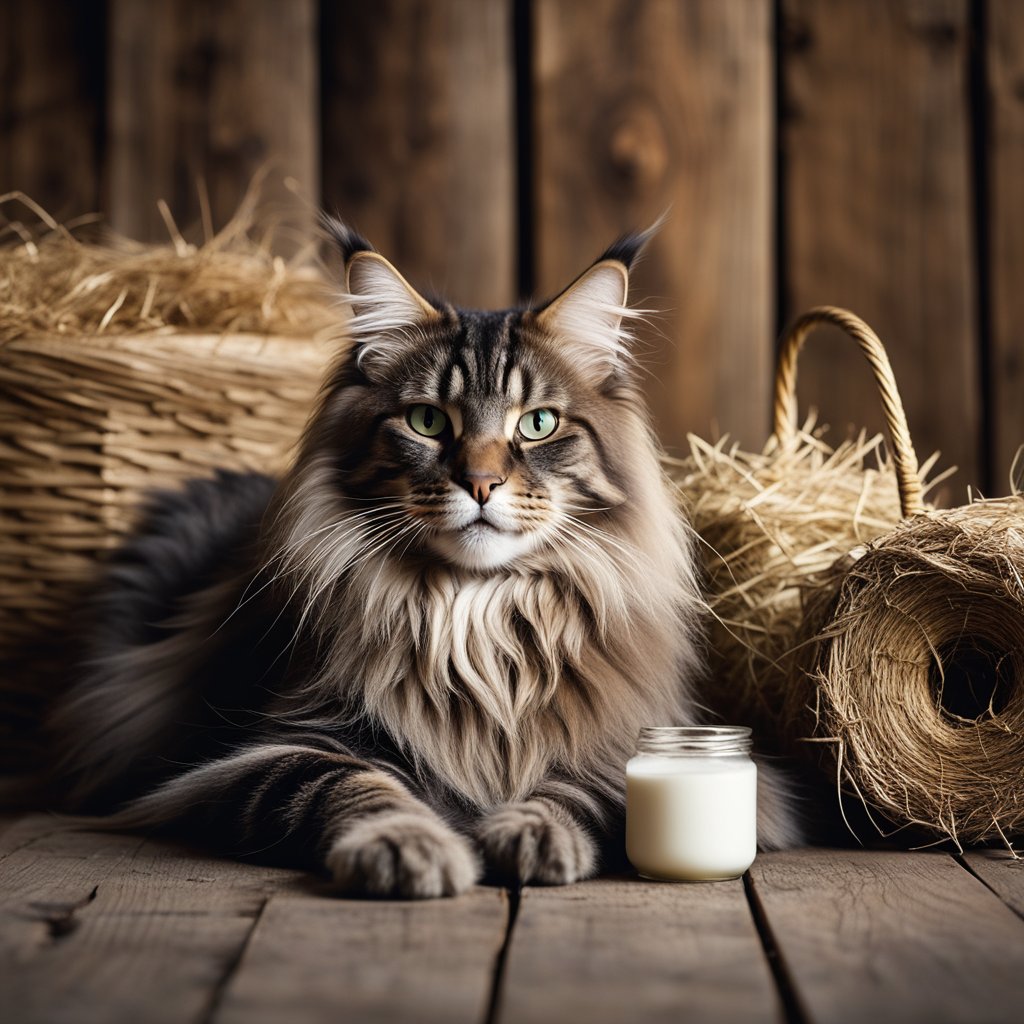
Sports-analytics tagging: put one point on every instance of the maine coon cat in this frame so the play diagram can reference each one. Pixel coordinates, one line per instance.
(426, 651)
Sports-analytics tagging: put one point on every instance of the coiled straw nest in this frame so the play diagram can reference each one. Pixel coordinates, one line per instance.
(880, 639)
(919, 672)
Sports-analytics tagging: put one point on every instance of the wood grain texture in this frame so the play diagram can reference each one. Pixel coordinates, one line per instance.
(1002, 873)
(419, 125)
(334, 960)
(51, 98)
(910, 937)
(878, 211)
(20, 829)
(213, 93)
(628, 950)
(1005, 62)
(639, 108)
(110, 928)
(7, 822)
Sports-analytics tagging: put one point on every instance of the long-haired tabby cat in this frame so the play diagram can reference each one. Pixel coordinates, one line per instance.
(426, 651)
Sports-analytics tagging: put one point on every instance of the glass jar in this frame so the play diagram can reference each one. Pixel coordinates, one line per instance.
(691, 803)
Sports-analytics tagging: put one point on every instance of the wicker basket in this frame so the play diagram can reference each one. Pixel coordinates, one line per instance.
(887, 646)
(87, 423)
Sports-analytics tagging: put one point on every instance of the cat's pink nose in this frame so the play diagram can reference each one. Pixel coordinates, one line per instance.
(480, 485)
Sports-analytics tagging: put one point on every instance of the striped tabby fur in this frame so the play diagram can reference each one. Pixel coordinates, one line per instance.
(415, 657)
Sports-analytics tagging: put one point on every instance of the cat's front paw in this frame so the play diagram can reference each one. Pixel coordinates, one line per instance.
(537, 842)
(403, 855)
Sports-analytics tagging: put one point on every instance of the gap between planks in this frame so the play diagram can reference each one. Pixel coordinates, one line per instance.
(1001, 872)
(231, 968)
(114, 925)
(333, 960)
(891, 935)
(616, 949)
(103, 927)
(794, 1012)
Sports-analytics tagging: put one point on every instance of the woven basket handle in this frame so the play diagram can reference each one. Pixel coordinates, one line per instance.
(904, 456)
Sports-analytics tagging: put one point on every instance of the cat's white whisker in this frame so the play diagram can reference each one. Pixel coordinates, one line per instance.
(370, 537)
(342, 530)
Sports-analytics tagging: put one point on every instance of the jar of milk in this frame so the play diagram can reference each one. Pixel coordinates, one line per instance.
(691, 803)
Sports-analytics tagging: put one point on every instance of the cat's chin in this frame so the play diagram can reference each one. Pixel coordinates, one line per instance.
(481, 547)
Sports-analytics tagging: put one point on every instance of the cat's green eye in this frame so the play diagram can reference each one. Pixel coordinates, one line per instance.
(427, 420)
(538, 424)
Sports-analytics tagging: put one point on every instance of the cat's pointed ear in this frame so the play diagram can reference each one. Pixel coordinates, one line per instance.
(386, 309)
(381, 298)
(589, 320)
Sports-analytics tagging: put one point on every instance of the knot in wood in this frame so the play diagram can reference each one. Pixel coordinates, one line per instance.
(637, 147)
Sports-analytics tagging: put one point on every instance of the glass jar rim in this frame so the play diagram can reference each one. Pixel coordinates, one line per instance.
(705, 740)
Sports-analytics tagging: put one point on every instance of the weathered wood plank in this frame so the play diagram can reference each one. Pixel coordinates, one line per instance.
(108, 928)
(419, 127)
(51, 96)
(17, 829)
(1005, 52)
(873, 935)
(7, 821)
(878, 211)
(211, 92)
(623, 950)
(639, 107)
(369, 960)
(1001, 872)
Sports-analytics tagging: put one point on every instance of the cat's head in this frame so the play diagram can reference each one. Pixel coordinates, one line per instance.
(483, 438)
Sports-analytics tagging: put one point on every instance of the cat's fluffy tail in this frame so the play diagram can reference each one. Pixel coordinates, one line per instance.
(779, 824)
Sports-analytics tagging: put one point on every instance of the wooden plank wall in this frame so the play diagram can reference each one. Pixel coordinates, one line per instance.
(860, 152)
(51, 102)
(1004, 42)
(877, 211)
(419, 138)
(643, 108)
(211, 93)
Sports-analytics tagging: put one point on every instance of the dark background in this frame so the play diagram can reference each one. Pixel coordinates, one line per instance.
(868, 153)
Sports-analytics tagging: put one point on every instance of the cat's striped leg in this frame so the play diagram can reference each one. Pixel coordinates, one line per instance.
(319, 809)
(552, 838)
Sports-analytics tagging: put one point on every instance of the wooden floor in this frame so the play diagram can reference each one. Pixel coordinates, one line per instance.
(111, 928)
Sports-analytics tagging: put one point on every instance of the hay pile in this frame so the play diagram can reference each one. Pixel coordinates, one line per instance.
(52, 284)
(919, 673)
(772, 524)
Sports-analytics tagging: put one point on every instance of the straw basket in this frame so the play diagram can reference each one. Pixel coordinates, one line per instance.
(89, 423)
(898, 667)
(125, 367)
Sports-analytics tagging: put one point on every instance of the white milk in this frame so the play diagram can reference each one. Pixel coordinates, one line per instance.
(691, 815)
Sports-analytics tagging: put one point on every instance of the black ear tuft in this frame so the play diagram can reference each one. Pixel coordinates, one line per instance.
(349, 242)
(628, 248)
